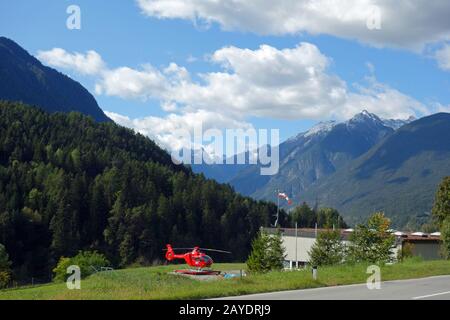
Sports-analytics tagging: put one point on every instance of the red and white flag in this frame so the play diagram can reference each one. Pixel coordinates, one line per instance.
(285, 197)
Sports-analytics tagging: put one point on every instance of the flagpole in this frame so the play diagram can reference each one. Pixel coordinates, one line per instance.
(278, 207)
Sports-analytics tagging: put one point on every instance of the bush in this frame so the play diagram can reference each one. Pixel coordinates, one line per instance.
(88, 261)
(445, 236)
(406, 252)
(5, 278)
(413, 260)
(5, 267)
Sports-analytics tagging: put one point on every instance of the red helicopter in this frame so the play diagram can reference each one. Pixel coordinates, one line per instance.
(195, 259)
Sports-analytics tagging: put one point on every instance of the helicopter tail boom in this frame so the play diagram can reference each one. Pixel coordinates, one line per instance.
(170, 254)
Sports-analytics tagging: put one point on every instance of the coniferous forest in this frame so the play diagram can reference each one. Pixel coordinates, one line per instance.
(68, 183)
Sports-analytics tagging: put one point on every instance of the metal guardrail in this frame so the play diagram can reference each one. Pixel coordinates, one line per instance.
(102, 269)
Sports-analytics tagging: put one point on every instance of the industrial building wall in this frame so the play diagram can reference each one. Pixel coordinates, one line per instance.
(303, 247)
(428, 251)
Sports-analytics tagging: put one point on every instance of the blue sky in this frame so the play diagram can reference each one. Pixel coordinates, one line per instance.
(124, 36)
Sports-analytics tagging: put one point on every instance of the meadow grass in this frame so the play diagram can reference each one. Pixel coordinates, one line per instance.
(157, 283)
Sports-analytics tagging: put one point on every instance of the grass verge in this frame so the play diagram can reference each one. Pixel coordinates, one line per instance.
(156, 283)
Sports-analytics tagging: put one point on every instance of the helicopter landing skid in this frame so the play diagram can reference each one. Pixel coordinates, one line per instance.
(198, 272)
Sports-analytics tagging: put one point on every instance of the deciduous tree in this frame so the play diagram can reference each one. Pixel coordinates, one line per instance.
(372, 242)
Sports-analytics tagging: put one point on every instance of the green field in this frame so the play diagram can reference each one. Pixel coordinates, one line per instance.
(156, 283)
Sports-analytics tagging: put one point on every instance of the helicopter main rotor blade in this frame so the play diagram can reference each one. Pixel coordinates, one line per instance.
(215, 250)
(202, 249)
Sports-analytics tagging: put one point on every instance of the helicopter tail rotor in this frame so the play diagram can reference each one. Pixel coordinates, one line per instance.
(169, 254)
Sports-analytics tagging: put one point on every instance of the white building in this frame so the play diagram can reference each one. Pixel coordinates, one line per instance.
(298, 243)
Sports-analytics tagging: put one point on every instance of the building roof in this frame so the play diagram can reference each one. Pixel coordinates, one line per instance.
(345, 234)
(305, 232)
(412, 238)
(436, 234)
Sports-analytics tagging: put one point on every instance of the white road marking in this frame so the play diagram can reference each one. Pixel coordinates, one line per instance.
(431, 295)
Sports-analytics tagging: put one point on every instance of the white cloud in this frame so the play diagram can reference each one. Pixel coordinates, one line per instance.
(191, 59)
(164, 129)
(169, 106)
(382, 100)
(370, 67)
(404, 23)
(438, 107)
(443, 57)
(128, 83)
(289, 83)
(89, 64)
(124, 82)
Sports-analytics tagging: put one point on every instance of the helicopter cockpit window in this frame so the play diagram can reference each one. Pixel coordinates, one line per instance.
(206, 259)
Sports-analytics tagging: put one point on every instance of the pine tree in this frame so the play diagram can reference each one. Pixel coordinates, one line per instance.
(276, 251)
(267, 253)
(328, 249)
(257, 261)
(98, 214)
(304, 216)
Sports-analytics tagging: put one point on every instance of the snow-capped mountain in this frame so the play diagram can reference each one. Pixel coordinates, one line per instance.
(399, 175)
(364, 126)
(320, 128)
(398, 123)
(314, 154)
(308, 156)
(363, 164)
(364, 117)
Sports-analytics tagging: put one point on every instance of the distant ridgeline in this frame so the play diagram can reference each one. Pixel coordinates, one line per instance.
(23, 78)
(68, 183)
(359, 166)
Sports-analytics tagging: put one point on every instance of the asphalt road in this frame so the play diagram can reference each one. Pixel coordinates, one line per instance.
(434, 288)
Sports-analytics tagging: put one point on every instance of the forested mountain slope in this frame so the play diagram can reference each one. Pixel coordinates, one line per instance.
(24, 78)
(68, 183)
